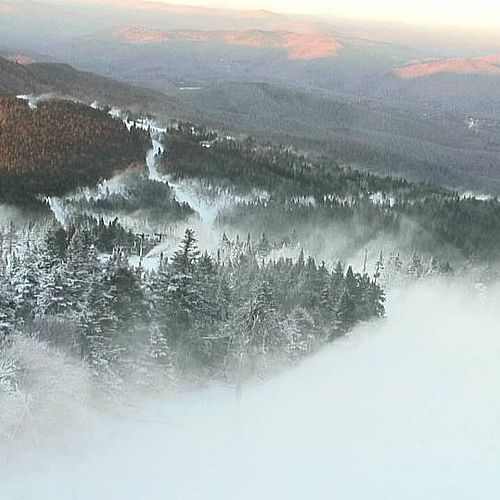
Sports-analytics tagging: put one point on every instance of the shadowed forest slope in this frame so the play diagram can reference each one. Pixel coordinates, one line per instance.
(60, 145)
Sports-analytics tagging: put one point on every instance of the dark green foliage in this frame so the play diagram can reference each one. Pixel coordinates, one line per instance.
(272, 168)
(469, 224)
(7, 316)
(139, 195)
(105, 236)
(300, 193)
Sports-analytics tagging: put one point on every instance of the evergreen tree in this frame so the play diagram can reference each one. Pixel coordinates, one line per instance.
(79, 268)
(160, 353)
(186, 257)
(346, 315)
(302, 335)
(263, 247)
(52, 294)
(24, 280)
(7, 317)
(98, 329)
(262, 322)
(379, 267)
(416, 267)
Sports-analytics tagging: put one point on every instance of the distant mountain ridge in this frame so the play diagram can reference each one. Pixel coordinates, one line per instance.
(163, 46)
(64, 81)
(366, 134)
(8, 8)
(487, 65)
(297, 45)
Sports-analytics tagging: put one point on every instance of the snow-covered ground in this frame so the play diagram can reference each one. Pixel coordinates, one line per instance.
(477, 196)
(208, 202)
(404, 409)
(57, 206)
(31, 100)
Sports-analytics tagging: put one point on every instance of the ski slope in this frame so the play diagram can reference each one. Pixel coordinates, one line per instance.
(404, 409)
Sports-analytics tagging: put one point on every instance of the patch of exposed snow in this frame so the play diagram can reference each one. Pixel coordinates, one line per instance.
(32, 100)
(58, 209)
(477, 196)
(379, 198)
(306, 201)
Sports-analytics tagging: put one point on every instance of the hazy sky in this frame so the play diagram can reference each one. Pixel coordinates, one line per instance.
(447, 12)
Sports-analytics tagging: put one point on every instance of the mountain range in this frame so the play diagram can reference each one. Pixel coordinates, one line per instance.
(394, 99)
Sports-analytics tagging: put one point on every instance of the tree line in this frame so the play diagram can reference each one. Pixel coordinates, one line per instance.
(231, 316)
(321, 193)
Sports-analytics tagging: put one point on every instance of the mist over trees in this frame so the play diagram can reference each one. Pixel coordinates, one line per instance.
(305, 193)
(231, 316)
(91, 292)
(143, 258)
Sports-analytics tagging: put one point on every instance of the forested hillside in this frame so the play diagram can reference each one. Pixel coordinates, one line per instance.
(344, 203)
(60, 145)
(229, 317)
(249, 255)
(63, 80)
(418, 144)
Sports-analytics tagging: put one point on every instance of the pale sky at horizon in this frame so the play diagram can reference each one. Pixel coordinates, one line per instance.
(484, 13)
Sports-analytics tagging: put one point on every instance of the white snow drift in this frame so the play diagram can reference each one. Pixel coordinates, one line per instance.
(405, 408)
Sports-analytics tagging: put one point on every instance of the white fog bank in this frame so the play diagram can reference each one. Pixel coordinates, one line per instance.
(408, 408)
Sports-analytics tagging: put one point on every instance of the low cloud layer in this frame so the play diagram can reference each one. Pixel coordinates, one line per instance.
(404, 408)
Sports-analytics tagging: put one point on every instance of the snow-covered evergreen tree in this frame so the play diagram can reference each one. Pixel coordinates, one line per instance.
(7, 316)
